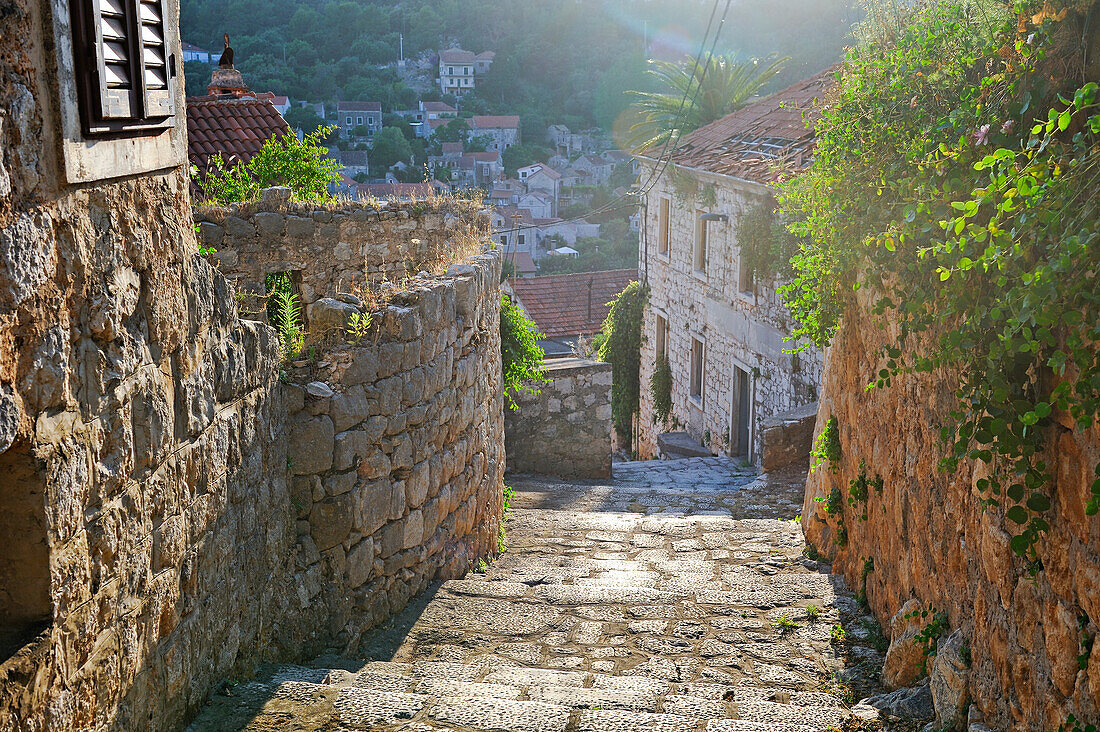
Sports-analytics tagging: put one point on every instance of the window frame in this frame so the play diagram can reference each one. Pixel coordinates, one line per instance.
(698, 373)
(144, 108)
(664, 227)
(89, 158)
(661, 333)
(699, 247)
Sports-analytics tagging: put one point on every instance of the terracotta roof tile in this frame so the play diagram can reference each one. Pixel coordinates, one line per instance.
(499, 121)
(766, 140)
(522, 260)
(359, 106)
(571, 304)
(237, 128)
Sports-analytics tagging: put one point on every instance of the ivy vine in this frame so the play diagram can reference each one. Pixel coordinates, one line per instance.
(620, 344)
(955, 176)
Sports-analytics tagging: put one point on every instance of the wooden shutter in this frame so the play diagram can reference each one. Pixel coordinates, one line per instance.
(113, 26)
(157, 64)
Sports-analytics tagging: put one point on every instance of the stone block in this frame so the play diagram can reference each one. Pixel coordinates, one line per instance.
(350, 408)
(360, 563)
(416, 485)
(372, 506)
(299, 227)
(331, 520)
(211, 234)
(350, 447)
(393, 538)
(238, 227)
(364, 366)
(311, 444)
(414, 529)
(328, 314)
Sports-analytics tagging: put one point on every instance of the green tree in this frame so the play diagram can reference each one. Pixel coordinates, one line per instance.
(300, 165)
(390, 147)
(714, 87)
(305, 119)
(454, 131)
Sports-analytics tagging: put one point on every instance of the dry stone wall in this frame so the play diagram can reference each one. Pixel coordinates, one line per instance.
(336, 249)
(397, 452)
(565, 428)
(1031, 658)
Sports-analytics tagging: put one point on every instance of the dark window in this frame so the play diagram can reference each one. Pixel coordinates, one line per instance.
(125, 73)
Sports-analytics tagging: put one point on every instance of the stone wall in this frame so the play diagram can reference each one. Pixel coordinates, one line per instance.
(564, 429)
(740, 330)
(330, 249)
(144, 507)
(397, 452)
(150, 530)
(930, 538)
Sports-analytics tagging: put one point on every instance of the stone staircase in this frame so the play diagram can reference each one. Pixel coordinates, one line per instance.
(599, 618)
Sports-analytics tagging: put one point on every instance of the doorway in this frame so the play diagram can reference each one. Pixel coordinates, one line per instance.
(741, 415)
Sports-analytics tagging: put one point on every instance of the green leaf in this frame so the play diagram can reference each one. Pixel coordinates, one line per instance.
(1038, 503)
(1017, 514)
(1063, 120)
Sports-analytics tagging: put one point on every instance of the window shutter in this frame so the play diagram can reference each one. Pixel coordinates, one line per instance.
(115, 63)
(157, 64)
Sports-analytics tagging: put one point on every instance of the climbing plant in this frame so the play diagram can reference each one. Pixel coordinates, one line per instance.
(620, 344)
(955, 177)
(660, 386)
(520, 354)
(766, 244)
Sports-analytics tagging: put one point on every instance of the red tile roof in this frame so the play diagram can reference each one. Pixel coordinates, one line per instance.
(499, 121)
(764, 141)
(545, 170)
(456, 56)
(359, 106)
(437, 107)
(452, 147)
(571, 304)
(237, 128)
(522, 260)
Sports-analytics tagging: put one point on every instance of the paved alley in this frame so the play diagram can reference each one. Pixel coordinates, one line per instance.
(675, 597)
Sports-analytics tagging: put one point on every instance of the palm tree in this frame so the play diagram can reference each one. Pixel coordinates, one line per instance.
(714, 87)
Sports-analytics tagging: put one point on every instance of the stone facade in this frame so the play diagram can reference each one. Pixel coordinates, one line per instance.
(564, 429)
(397, 453)
(142, 480)
(1029, 663)
(146, 506)
(739, 330)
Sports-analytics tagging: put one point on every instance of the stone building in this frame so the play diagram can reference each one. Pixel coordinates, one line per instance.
(722, 328)
(172, 513)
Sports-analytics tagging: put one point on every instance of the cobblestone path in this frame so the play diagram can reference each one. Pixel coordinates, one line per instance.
(675, 597)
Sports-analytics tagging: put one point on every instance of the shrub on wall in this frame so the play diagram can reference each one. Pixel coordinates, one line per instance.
(620, 344)
(300, 165)
(520, 354)
(660, 386)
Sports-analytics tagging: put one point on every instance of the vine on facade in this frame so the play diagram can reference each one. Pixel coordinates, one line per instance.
(620, 344)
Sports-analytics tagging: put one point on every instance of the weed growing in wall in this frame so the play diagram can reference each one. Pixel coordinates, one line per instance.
(284, 312)
(930, 634)
(827, 447)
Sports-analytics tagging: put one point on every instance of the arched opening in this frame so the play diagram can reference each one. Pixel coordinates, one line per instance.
(24, 557)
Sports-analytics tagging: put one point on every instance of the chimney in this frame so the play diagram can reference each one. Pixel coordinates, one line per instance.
(227, 83)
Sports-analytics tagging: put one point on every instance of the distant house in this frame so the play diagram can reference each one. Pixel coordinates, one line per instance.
(568, 231)
(514, 230)
(522, 263)
(437, 110)
(483, 61)
(458, 70)
(281, 103)
(353, 162)
(594, 166)
(503, 130)
(344, 186)
(480, 168)
(544, 180)
(350, 115)
(569, 307)
(192, 52)
(539, 206)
